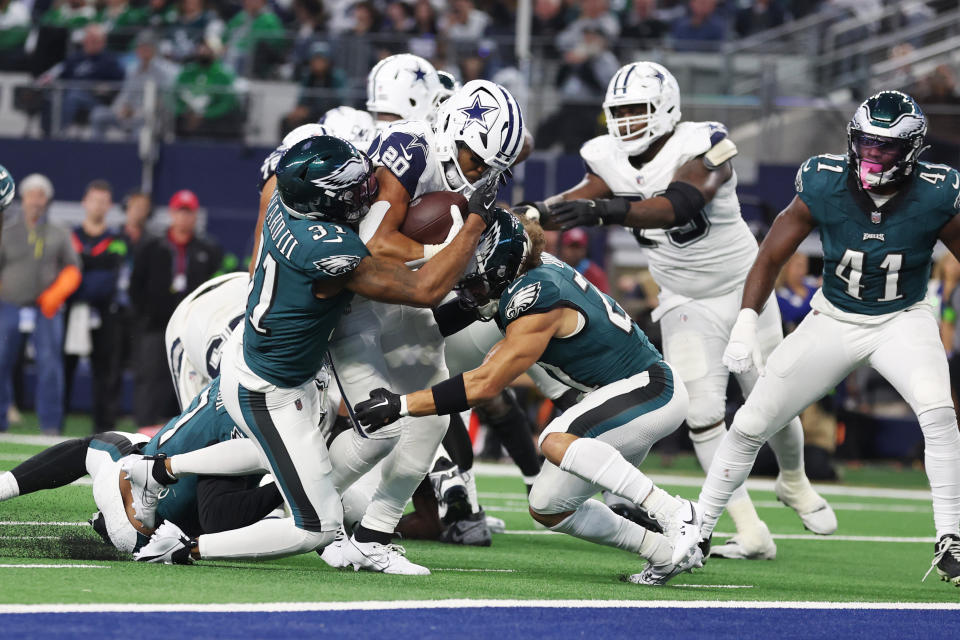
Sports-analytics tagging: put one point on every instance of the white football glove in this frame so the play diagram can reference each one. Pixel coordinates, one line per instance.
(743, 349)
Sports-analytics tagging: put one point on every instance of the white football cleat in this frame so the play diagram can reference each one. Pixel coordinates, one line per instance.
(382, 558)
(658, 575)
(682, 529)
(332, 554)
(755, 544)
(144, 486)
(815, 513)
(496, 525)
(168, 545)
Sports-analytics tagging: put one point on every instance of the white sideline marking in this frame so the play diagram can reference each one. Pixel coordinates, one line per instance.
(479, 570)
(465, 603)
(510, 471)
(29, 537)
(14, 457)
(776, 536)
(516, 507)
(45, 441)
(44, 524)
(53, 566)
(714, 586)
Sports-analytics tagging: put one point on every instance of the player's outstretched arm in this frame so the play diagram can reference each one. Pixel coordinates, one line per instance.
(384, 220)
(790, 227)
(525, 341)
(388, 280)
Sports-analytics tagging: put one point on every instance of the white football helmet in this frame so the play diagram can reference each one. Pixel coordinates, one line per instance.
(483, 116)
(404, 85)
(302, 133)
(642, 83)
(353, 125)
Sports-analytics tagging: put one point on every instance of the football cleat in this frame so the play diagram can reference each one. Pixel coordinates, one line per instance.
(658, 575)
(946, 559)
(496, 525)
(332, 554)
(815, 513)
(748, 545)
(382, 558)
(148, 479)
(682, 529)
(471, 531)
(453, 501)
(168, 545)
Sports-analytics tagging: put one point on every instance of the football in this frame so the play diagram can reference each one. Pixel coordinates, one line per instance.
(428, 218)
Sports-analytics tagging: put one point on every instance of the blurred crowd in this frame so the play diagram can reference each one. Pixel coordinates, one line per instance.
(198, 53)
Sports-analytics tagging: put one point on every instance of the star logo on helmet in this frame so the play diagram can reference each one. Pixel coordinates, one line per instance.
(477, 112)
(419, 75)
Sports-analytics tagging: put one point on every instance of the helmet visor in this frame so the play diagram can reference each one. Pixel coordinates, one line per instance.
(879, 150)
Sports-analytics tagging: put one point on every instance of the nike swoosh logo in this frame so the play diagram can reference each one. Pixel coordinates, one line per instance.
(4, 192)
(693, 515)
(512, 287)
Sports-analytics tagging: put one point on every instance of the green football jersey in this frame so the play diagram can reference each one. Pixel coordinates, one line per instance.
(287, 327)
(877, 260)
(204, 422)
(609, 347)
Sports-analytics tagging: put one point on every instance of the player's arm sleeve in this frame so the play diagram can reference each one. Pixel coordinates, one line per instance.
(452, 318)
(404, 155)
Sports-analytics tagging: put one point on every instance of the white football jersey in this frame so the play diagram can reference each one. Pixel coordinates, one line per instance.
(710, 255)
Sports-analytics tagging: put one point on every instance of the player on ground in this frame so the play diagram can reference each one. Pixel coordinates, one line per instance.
(672, 183)
(309, 265)
(478, 138)
(880, 211)
(551, 314)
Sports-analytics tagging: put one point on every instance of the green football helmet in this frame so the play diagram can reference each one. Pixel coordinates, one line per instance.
(326, 178)
(885, 138)
(8, 188)
(496, 263)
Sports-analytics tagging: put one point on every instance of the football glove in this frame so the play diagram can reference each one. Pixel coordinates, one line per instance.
(383, 408)
(484, 195)
(743, 350)
(536, 211)
(568, 214)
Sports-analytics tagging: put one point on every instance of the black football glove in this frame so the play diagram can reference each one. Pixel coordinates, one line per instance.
(381, 409)
(568, 214)
(485, 195)
(536, 211)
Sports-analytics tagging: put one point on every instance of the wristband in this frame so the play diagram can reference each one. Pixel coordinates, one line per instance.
(450, 396)
(615, 211)
(404, 411)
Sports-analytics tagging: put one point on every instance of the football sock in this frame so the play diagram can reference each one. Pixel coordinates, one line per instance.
(594, 522)
(237, 457)
(352, 456)
(270, 538)
(8, 486)
(732, 464)
(787, 445)
(601, 464)
(362, 534)
(53, 467)
(403, 469)
(457, 443)
(705, 445)
(942, 461)
(660, 502)
(513, 430)
(472, 496)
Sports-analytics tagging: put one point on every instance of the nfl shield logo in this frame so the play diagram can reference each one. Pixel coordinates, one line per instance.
(875, 217)
(298, 404)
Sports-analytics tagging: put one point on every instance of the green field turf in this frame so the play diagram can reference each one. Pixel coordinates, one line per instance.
(525, 563)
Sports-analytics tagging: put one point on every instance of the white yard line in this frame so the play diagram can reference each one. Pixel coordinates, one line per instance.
(467, 603)
(516, 506)
(478, 570)
(43, 524)
(53, 566)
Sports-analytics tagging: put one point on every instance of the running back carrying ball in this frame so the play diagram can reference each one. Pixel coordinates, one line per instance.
(428, 218)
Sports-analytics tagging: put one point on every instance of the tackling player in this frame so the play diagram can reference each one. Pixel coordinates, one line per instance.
(550, 314)
(672, 183)
(880, 212)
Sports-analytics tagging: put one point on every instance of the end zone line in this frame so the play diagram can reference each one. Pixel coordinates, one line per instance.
(136, 609)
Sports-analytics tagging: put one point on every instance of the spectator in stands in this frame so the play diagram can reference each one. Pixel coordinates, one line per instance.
(122, 22)
(207, 104)
(794, 289)
(573, 251)
(72, 15)
(254, 39)
(39, 269)
(308, 16)
(547, 23)
(137, 208)
(356, 51)
(644, 24)
(463, 23)
(165, 270)
(398, 18)
(81, 72)
(93, 327)
(424, 42)
(758, 16)
(595, 16)
(320, 89)
(187, 26)
(702, 29)
(14, 29)
(127, 110)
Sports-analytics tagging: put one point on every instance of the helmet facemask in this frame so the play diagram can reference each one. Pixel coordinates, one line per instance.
(885, 139)
(642, 104)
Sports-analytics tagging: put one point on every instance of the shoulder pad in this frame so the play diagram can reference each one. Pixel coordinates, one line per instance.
(336, 250)
(269, 167)
(404, 153)
(719, 153)
(826, 164)
(528, 294)
(595, 151)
